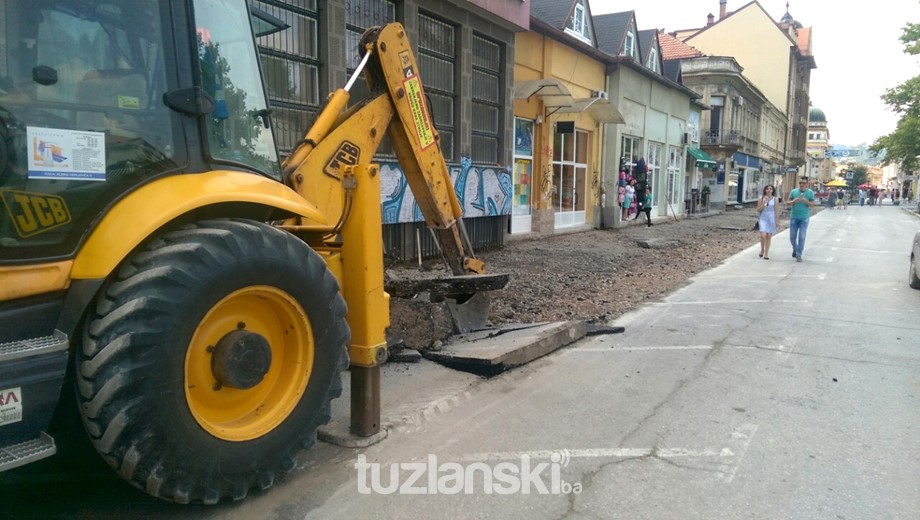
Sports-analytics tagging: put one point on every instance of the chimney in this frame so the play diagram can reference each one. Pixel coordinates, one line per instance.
(722, 5)
(710, 19)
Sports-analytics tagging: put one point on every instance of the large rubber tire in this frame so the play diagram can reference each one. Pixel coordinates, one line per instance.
(913, 277)
(139, 367)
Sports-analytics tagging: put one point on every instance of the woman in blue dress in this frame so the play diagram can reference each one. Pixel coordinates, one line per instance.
(768, 211)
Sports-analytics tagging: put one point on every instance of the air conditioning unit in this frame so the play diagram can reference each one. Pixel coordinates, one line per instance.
(599, 94)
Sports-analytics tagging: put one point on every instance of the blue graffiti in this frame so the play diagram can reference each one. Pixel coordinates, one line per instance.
(481, 190)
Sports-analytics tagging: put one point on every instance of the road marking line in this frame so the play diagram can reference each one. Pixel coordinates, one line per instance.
(593, 453)
(819, 276)
(657, 347)
(732, 302)
(745, 434)
(784, 351)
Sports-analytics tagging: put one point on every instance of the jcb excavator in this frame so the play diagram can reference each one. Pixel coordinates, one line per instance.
(202, 295)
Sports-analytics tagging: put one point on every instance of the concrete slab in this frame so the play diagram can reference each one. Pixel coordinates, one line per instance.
(494, 351)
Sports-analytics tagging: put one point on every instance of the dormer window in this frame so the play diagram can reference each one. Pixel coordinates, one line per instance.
(629, 46)
(653, 59)
(578, 24)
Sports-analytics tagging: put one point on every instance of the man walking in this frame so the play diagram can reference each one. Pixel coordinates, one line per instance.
(802, 199)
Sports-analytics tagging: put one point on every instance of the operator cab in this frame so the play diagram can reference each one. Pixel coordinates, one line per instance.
(94, 102)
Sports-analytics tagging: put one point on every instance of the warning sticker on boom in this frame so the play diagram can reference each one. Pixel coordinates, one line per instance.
(420, 116)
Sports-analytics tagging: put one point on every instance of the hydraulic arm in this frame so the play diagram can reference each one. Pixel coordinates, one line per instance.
(401, 108)
(332, 168)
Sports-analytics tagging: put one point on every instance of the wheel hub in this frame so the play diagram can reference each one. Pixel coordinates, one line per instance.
(241, 359)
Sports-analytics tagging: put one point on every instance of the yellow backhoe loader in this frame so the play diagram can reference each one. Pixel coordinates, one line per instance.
(202, 295)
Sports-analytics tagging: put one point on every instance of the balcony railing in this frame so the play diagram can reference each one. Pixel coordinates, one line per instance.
(716, 138)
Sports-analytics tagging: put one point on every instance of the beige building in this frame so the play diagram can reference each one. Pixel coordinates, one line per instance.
(820, 164)
(776, 59)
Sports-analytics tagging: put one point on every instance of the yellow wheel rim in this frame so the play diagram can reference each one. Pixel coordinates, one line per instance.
(234, 414)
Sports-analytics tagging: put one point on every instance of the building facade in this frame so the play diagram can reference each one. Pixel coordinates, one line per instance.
(776, 61)
(562, 116)
(651, 145)
(465, 52)
(820, 164)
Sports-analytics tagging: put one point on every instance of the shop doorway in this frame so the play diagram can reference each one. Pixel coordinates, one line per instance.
(570, 177)
(522, 200)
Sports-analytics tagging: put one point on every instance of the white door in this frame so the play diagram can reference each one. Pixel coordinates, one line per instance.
(570, 178)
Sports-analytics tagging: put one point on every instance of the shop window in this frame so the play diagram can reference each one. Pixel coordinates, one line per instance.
(653, 161)
(674, 174)
(630, 153)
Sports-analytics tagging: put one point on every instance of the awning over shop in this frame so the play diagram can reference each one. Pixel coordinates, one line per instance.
(599, 108)
(702, 158)
(541, 87)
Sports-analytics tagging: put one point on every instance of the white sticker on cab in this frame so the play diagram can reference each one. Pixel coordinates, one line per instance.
(10, 405)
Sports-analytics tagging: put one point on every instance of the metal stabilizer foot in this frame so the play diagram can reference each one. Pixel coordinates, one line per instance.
(365, 427)
(365, 400)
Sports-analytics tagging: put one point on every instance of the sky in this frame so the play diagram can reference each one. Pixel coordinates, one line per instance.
(855, 45)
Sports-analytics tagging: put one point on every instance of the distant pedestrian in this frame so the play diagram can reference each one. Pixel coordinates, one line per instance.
(842, 199)
(832, 199)
(628, 199)
(647, 206)
(768, 209)
(862, 196)
(801, 201)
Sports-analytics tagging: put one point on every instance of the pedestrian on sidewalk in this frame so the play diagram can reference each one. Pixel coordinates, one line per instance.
(832, 199)
(768, 211)
(628, 199)
(802, 199)
(862, 197)
(647, 206)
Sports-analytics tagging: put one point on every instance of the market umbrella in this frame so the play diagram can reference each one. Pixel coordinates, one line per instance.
(865, 186)
(837, 183)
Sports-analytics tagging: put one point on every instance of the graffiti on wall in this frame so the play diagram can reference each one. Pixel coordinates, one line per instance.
(484, 191)
(596, 185)
(546, 177)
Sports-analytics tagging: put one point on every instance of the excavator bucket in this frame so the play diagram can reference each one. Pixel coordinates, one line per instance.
(467, 296)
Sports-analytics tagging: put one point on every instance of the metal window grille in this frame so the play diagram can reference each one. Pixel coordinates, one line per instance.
(290, 65)
(437, 60)
(487, 89)
(359, 16)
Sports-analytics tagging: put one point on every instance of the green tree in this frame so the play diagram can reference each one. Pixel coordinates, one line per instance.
(903, 145)
(860, 175)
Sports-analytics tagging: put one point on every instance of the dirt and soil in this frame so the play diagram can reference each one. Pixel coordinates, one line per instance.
(594, 275)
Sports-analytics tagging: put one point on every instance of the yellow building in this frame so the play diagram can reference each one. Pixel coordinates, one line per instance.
(561, 115)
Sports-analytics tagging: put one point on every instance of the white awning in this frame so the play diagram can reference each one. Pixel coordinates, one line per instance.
(599, 108)
(540, 87)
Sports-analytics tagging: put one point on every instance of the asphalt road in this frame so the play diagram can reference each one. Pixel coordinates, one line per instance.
(762, 389)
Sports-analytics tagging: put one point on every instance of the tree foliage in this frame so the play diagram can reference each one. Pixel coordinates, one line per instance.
(860, 175)
(903, 145)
